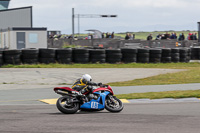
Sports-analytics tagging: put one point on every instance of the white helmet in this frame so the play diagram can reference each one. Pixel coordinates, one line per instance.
(87, 77)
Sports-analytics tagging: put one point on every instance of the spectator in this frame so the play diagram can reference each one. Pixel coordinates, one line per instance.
(167, 36)
(181, 37)
(112, 35)
(127, 37)
(149, 37)
(173, 36)
(158, 37)
(102, 35)
(195, 36)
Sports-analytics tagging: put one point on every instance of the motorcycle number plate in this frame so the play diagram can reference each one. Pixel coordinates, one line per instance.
(94, 105)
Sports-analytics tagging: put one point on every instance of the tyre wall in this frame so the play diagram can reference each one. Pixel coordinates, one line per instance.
(82, 55)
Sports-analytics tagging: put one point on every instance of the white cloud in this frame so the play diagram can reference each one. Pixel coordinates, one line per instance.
(56, 14)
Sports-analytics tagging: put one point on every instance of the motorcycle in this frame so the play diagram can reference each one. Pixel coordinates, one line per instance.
(96, 99)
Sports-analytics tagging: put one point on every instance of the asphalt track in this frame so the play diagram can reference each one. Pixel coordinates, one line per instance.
(22, 110)
(135, 118)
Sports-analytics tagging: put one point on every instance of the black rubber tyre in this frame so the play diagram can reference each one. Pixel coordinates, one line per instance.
(155, 55)
(129, 50)
(112, 51)
(47, 60)
(175, 50)
(183, 60)
(80, 51)
(1, 62)
(113, 60)
(12, 52)
(175, 59)
(143, 55)
(14, 61)
(166, 59)
(166, 50)
(97, 51)
(30, 61)
(77, 56)
(183, 55)
(129, 55)
(64, 56)
(98, 60)
(30, 56)
(47, 51)
(64, 51)
(129, 60)
(98, 56)
(11, 57)
(109, 105)
(183, 51)
(30, 51)
(166, 54)
(114, 55)
(47, 55)
(143, 60)
(155, 60)
(174, 55)
(141, 50)
(81, 60)
(155, 51)
(64, 109)
(64, 61)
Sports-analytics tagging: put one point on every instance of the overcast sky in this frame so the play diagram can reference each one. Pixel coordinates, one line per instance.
(133, 15)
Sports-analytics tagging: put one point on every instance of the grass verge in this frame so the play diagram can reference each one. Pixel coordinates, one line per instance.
(184, 77)
(192, 75)
(159, 95)
(130, 65)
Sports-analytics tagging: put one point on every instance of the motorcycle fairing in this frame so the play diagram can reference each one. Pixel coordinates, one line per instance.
(64, 89)
(96, 104)
(104, 89)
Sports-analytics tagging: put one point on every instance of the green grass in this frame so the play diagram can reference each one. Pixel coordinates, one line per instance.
(159, 95)
(130, 65)
(184, 77)
(190, 75)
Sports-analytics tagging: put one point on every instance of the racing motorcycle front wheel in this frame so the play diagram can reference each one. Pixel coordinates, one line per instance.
(113, 104)
(65, 106)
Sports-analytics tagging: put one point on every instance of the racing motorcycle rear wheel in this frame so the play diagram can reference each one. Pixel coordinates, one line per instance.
(67, 107)
(113, 104)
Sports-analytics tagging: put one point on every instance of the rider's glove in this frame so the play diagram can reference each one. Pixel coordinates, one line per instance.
(99, 84)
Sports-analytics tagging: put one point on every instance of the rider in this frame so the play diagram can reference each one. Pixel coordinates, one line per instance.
(82, 84)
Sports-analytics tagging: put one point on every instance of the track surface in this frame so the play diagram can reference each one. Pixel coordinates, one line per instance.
(135, 118)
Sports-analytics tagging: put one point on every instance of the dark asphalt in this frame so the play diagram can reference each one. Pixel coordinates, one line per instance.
(135, 118)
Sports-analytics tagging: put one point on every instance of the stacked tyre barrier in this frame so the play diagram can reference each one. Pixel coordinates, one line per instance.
(64, 56)
(143, 55)
(166, 55)
(30, 56)
(1, 58)
(175, 55)
(80, 55)
(155, 55)
(184, 55)
(113, 55)
(195, 53)
(97, 55)
(47, 56)
(12, 57)
(129, 55)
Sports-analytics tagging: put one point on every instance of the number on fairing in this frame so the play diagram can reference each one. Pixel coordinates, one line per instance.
(94, 105)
